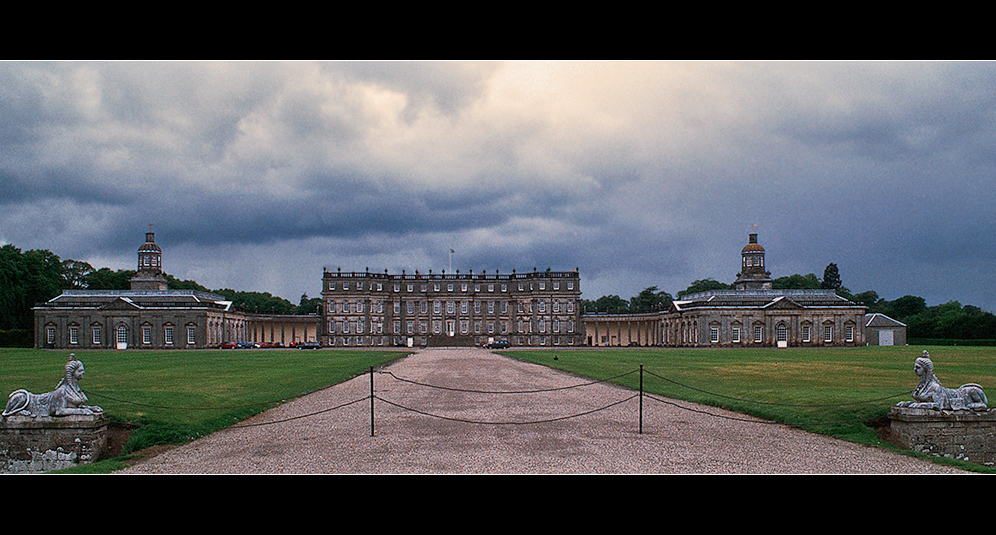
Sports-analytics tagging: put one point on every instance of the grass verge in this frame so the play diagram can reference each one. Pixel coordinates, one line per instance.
(172, 397)
(840, 392)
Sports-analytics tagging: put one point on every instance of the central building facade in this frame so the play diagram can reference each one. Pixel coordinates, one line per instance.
(541, 308)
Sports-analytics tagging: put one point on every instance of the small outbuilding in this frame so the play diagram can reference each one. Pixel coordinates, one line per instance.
(881, 330)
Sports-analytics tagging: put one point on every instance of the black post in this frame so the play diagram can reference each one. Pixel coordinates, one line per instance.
(371, 401)
(641, 399)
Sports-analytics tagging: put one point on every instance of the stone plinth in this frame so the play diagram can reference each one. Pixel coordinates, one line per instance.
(50, 443)
(964, 435)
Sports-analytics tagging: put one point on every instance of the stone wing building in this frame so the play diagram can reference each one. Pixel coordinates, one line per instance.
(148, 316)
(751, 314)
(754, 314)
(765, 317)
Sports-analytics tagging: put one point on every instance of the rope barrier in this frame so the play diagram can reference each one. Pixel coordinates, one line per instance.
(210, 408)
(507, 423)
(537, 391)
(258, 424)
(780, 404)
(640, 395)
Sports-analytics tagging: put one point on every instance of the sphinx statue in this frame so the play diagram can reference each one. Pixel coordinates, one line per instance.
(930, 394)
(67, 398)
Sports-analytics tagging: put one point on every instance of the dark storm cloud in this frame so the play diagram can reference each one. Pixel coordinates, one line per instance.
(638, 174)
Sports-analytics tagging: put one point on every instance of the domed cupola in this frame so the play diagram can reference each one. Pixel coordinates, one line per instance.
(150, 255)
(753, 275)
(150, 266)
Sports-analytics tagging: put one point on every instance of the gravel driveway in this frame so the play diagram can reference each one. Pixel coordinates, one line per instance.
(422, 429)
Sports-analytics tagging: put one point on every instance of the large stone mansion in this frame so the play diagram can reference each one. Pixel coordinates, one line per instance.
(367, 309)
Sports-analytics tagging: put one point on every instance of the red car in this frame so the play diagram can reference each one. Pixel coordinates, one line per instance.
(228, 345)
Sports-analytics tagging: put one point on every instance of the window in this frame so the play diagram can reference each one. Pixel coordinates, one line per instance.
(850, 333)
(50, 335)
(122, 335)
(74, 335)
(714, 334)
(96, 334)
(146, 334)
(806, 333)
(758, 332)
(782, 333)
(168, 335)
(191, 335)
(827, 333)
(736, 334)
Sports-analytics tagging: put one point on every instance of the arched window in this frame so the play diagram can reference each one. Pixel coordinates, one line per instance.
(121, 335)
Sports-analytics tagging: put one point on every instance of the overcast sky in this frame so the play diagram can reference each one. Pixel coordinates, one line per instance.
(256, 175)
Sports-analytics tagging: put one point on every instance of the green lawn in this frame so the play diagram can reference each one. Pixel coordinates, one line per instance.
(833, 391)
(176, 396)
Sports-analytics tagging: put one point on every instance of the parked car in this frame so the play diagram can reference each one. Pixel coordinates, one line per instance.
(309, 345)
(228, 345)
(497, 344)
(247, 345)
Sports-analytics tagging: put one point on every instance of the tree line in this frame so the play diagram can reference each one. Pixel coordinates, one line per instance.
(35, 276)
(951, 320)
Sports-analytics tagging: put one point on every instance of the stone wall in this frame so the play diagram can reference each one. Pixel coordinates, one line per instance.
(964, 435)
(50, 443)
